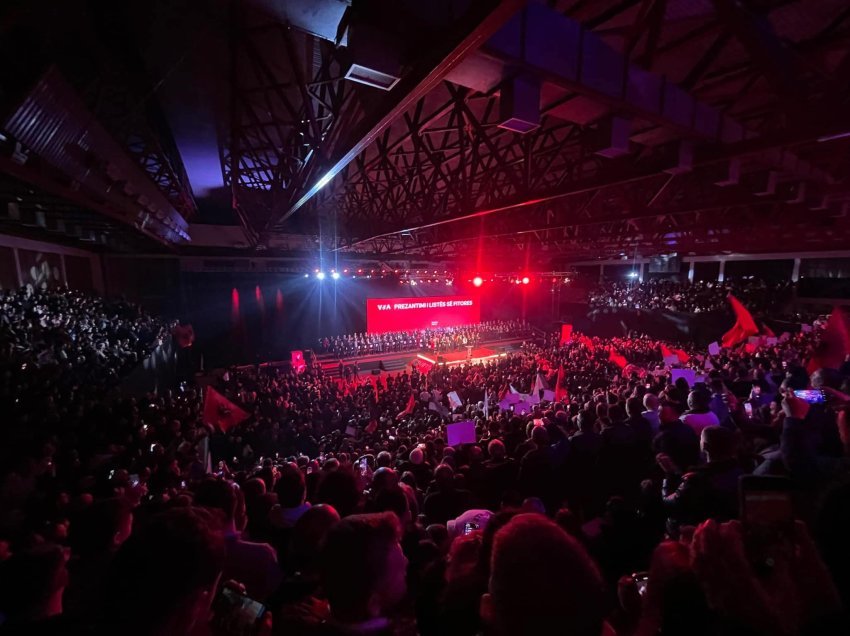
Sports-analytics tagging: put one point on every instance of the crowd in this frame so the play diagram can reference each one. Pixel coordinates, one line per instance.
(436, 339)
(62, 339)
(698, 297)
(338, 507)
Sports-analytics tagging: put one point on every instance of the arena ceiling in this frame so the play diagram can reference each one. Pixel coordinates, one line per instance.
(511, 131)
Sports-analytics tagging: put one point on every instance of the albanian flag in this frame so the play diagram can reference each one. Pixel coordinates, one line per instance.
(744, 326)
(221, 412)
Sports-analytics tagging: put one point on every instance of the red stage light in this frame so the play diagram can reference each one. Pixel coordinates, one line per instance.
(478, 281)
(525, 280)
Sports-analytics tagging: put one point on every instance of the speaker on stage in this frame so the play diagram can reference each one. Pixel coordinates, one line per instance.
(376, 372)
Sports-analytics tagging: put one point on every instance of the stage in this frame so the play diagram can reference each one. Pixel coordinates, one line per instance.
(401, 361)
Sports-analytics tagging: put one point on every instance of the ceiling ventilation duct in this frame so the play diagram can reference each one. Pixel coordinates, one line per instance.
(375, 56)
(519, 104)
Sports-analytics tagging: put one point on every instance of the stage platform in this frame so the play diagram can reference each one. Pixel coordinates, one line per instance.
(396, 362)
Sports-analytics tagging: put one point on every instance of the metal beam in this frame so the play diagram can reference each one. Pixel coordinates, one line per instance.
(628, 172)
(410, 89)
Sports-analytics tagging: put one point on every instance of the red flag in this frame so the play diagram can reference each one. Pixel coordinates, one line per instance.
(834, 345)
(560, 389)
(665, 351)
(297, 361)
(744, 326)
(408, 410)
(221, 412)
(587, 342)
(566, 333)
(683, 357)
(617, 359)
(371, 427)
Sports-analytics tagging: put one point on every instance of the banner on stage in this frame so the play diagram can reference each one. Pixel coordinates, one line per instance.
(426, 312)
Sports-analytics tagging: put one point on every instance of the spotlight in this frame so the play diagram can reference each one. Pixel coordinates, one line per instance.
(633, 274)
(320, 275)
(517, 281)
(306, 275)
(478, 281)
(345, 271)
(335, 275)
(448, 282)
(413, 282)
(525, 280)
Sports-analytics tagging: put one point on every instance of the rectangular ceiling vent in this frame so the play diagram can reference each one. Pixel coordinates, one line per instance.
(371, 77)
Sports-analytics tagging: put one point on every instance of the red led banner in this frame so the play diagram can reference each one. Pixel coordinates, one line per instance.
(405, 314)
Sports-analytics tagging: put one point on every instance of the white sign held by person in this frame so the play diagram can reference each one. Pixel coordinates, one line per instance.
(461, 433)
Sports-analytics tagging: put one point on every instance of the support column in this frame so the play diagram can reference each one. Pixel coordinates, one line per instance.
(640, 272)
(722, 273)
(795, 273)
(601, 272)
(18, 267)
(691, 271)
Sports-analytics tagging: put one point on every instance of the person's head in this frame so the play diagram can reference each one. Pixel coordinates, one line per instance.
(533, 504)
(384, 478)
(586, 421)
(496, 449)
(826, 377)
(393, 499)
(444, 476)
(32, 582)
(384, 459)
(163, 577)
(650, 402)
(363, 568)
(416, 457)
(290, 487)
(698, 400)
(307, 538)
(540, 436)
(718, 443)
(217, 494)
(339, 489)
(539, 577)
(253, 488)
(634, 407)
(104, 525)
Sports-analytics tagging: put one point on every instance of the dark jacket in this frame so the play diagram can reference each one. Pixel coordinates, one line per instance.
(680, 442)
(707, 492)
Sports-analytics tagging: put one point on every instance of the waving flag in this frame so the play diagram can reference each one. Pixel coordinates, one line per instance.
(221, 412)
(617, 359)
(539, 385)
(834, 345)
(566, 333)
(681, 356)
(744, 326)
(408, 410)
(560, 389)
(587, 342)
